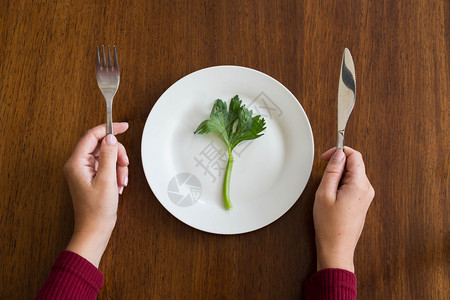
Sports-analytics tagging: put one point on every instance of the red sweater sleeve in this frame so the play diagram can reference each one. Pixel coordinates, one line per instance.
(71, 277)
(331, 284)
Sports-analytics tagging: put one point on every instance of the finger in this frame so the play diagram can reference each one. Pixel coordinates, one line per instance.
(349, 151)
(122, 157)
(107, 161)
(93, 136)
(355, 164)
(119, 127)
(97, 150)
(122, 177)
(327, 155)
(122, 154)
(332, 175)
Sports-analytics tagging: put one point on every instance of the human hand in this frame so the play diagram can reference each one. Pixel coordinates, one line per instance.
(340, 211)
(96, 172)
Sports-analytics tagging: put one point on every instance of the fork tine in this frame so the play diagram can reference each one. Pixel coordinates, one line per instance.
(104, 57)
(109, 58)
(116, 60)
(98, 58)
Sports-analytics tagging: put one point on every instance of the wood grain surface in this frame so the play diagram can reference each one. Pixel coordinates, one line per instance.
(49, 98)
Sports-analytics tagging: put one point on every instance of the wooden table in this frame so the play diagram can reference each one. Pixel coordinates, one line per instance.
(49, 98)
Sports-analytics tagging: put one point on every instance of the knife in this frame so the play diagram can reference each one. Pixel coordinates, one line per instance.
(346, 95)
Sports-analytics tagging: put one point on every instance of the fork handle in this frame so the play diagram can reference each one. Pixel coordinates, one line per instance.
(109, 123)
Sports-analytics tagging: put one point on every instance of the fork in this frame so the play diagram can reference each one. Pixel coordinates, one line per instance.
(108, 78)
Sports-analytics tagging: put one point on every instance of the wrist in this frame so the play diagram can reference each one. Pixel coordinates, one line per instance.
(335, 261)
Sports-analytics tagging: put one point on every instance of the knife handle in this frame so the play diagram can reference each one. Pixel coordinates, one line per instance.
(340, 139)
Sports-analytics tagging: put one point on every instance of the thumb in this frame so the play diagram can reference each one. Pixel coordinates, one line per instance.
(332, 175)
(107, 160)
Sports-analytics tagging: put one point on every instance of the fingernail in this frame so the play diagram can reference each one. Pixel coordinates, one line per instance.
(338, 156)
(125, 181)
(127, 160)
(121, 190)
(111, 139)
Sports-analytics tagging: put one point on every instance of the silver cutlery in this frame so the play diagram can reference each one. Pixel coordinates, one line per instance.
(346, 95)
(108, 79)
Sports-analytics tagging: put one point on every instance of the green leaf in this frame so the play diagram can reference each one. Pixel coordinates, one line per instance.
(218, 121)
(234, 125)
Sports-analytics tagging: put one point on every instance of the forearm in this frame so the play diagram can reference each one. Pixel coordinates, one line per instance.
(90, 240)
(88, 247)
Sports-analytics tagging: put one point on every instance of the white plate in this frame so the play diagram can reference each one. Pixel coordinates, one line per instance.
(186, 171)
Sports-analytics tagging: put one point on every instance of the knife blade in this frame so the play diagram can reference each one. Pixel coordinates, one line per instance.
(346, 95)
